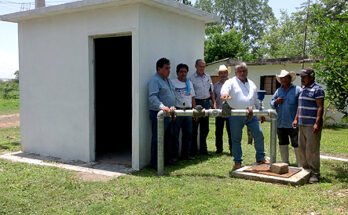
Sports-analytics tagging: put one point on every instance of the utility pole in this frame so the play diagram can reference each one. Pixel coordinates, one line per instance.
(305, 36)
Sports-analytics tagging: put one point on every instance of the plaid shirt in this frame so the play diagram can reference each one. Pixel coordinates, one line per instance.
(307, 106)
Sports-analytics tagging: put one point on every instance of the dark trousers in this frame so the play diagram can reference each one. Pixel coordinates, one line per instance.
(219, 130)
(203, 132)
(285, 133)
(185, 124)
(168, 139)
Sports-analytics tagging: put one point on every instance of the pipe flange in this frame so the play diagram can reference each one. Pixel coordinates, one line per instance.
(198, 112)
(226, 110)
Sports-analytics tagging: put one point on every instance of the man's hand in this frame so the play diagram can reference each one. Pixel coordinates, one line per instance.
(250, 113)
(279, 100)
(316, 128)
(225, 97)
(294, 124)
(166, 109)
(263, 118)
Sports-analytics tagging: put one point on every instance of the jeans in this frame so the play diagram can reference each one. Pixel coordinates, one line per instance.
(168, 139)
(285, 133)
(219, 130)
(203, 132)
(236, 126)
(185, 124)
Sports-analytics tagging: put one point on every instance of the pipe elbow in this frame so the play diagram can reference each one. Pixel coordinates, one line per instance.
(161, 114)
(273, 114)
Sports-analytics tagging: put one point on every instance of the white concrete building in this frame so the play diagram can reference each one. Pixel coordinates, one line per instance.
(263, 74)
(84, 68)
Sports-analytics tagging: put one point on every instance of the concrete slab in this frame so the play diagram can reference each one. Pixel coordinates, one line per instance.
(299, 178)
(99, 168)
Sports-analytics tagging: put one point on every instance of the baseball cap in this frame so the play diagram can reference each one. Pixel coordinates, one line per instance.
(308, 71)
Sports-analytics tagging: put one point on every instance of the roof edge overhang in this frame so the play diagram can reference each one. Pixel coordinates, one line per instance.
(169, 5)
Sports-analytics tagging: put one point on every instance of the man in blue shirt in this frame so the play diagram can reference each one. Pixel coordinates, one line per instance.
(161, 97)
(285, 101)
(309, 117)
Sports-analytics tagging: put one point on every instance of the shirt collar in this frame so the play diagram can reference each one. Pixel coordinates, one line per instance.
(196, 75)
(242, 82)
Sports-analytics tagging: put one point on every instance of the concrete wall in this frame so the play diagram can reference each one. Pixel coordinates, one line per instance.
(57, 82)
(163, 34)
(56, 90)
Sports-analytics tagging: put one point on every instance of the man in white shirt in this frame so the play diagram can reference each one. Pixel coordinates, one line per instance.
(240, 93)
(184, 99)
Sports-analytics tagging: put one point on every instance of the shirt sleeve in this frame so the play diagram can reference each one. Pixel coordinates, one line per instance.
(193, 94)
(153, 95)
(319, 93)
(274, 97)
(226, 88)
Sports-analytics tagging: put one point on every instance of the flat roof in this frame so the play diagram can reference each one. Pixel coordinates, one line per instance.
(169, 5)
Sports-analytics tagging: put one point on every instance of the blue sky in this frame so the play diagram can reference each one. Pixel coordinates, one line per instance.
(9, 33)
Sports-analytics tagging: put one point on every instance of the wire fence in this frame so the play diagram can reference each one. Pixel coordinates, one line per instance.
(13, 6)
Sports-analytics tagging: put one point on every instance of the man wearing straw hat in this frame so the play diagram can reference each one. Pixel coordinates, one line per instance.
(285, 101)
(223, 72)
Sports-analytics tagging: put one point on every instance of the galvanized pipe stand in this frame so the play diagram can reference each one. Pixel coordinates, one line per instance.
(213, 113)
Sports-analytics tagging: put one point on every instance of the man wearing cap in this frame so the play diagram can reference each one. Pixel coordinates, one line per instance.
(240, 93)
(223, 72)
(204, 89)
(285, 101)
(161, 97)
(309, 117)
(184, 99)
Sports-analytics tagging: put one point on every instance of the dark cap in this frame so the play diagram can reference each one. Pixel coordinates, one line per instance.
(308, 71)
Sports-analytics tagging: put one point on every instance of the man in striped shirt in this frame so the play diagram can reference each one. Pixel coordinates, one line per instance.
(309, 117)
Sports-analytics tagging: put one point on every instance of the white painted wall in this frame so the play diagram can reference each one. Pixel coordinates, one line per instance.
(56, 95)
(163, 34)
(56, 90)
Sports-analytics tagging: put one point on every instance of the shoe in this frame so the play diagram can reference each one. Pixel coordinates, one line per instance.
(191, 158)
(237, 166)
(170, 163)
(218, 152)
(313, 179)
(263, 161)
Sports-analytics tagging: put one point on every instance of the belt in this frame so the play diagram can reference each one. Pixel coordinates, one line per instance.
(203, 100)
(186, 108)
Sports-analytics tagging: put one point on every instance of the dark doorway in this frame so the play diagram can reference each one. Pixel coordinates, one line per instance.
(113, 99)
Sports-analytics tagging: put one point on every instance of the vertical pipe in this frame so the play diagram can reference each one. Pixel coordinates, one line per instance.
(160, 143)
(273, 147)
(39, 3)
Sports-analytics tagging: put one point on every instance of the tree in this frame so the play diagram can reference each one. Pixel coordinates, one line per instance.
(225, 45)
(247, 17)
(329, 21)
(187, 2)
(284, 37)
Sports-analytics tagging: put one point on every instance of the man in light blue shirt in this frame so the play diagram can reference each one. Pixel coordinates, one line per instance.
(161, 97)
(285, 101)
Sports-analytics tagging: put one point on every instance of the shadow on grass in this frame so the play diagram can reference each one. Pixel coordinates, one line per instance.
(339, 174)
(10, 146)
(150, 172)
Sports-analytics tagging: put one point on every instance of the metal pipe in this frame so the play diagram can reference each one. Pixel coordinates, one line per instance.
(213, 113)
(39, 3)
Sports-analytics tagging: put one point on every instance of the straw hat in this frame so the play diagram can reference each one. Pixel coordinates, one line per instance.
(284, 73)
(224, 68)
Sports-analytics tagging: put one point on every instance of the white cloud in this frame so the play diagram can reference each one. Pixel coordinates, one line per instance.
(8, 64)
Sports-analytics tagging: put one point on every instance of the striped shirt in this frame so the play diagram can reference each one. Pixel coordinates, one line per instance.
(307, 107)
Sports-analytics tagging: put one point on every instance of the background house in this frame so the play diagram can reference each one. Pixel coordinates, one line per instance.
(263, 73)
(84, 71)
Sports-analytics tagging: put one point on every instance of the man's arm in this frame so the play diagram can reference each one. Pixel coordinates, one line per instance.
(212, 94)
(295, 122)
(319, 121)
(153, 97)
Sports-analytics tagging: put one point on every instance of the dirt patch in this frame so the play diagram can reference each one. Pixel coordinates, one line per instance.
(85, 176)
(10, 120)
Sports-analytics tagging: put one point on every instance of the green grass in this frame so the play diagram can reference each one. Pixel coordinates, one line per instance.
(9, 106)
(201, 186)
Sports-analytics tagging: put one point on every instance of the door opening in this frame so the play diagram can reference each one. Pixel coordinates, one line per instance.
(113, 99)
